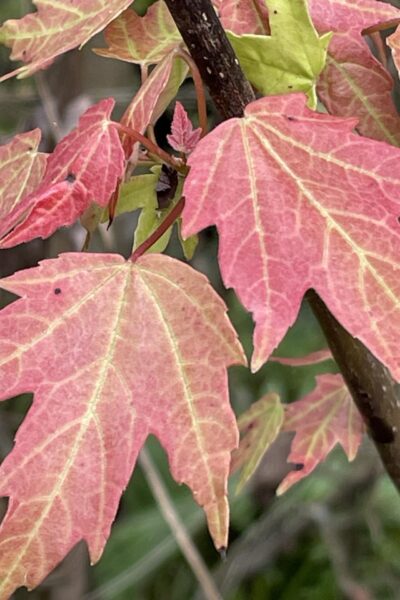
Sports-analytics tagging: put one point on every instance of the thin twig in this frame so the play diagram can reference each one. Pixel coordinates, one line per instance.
(199, 87)
(178, 528)
(49, 106)
(381, 27)
(152, 147)
(161, 229)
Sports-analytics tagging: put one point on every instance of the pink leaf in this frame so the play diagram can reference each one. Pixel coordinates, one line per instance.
(302, 202)
(84, 168)
(325, 417)
(21, 170)
(39, 37)
(344, 15)
(110, 359)
(243, 16)
(142, 40)
(184, 138)
(355, 84)
(153, 97)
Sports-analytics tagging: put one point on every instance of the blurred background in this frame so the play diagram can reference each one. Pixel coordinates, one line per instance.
(334, 535)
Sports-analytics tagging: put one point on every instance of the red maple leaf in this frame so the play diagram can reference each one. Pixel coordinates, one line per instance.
(325, 417)
(84, 168)
(183, 137)
(21, 170)
(302, 202)
(110, 359)
(39, 37)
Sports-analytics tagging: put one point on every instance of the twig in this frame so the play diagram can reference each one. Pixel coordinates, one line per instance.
(199, 87)
(161, 229)
(49, 106)
(178, 528)
(338, 554)
(152, 147)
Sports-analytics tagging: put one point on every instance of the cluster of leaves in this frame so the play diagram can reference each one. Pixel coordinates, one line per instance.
(115, 350)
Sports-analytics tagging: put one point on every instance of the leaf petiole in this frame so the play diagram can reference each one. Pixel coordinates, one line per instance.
(166, 224)
(176, 163)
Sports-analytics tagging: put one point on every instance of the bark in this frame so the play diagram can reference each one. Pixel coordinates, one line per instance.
(373, 389)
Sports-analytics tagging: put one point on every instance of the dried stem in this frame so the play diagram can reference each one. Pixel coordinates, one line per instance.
(371, 386)
(178, 528)
(199, 87)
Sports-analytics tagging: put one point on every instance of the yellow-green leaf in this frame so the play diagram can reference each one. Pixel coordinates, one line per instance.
(259, 427)
(288, 60)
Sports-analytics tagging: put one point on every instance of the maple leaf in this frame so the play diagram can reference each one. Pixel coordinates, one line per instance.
(21, 170)
(354, 83)
(309, 205)
(71, 182)
(110, 359)
(325, 417)
(142, 40)
(259, 427)
(183, 137)
(345, 15)
(153, 97)
(56, 27)
(240, 16)
(291, 58)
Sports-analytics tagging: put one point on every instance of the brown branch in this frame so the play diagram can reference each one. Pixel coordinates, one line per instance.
(211, 51)
(370, 383)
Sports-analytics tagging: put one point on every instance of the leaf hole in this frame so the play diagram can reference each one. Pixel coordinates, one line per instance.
(298, 467)
(71, 177)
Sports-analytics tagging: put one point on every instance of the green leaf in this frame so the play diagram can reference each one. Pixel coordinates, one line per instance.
(291, 58)
(189, 245)
(259, 427)
(138, 192)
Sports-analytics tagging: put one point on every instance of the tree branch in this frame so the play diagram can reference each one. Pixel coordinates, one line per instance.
(370, 384)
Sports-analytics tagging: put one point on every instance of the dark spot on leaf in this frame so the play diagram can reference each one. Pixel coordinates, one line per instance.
(290, 87)
(291, 118)
(57, 291)
(30, 148)
(380, 431)
(398, 219)
(166, 186)
(298, 467)
(70, 178)
(275, 12)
